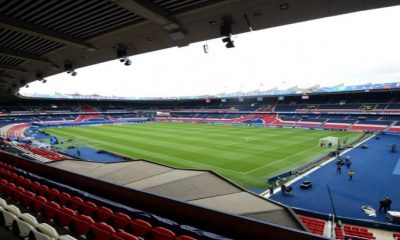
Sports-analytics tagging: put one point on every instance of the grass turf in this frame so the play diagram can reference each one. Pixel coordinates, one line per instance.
(245, 155)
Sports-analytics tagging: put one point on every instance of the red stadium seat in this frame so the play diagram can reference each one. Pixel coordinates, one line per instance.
(50, 209)
(27, 199)
(14, 177)
(35, 186)
(20, 181)
(52, 194)
(9, 189)
(87, 208)
(80, 224)
(119, 220)
(123, 236)
(74, 203)
(18, 194)
(3, 184)
(102, 214)
(42, 191)
(64, 216)
(26, 183)
(63, 198)
(138, 227)
(100, 231)
(160, 233)
(37, 204)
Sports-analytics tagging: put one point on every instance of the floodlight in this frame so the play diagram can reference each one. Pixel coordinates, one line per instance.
(128, 62)
(70, 69)
(229, 42)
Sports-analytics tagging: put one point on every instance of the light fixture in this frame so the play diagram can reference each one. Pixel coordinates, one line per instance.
(39, 76)
(226, 31)
(122, 55)
(229, 42)
(70, 69)
(128, 62)
(205, 48)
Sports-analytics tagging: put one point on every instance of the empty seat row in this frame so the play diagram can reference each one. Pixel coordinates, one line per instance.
(358, 232)
(314, 225)
(25, 225)
(49, 154)
(7, 166)
(79, 216)
(339, 232)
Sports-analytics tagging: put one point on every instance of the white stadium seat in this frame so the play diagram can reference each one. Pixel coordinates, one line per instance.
(44, 231)
(3, 203)
(24, 225)
(10, 214)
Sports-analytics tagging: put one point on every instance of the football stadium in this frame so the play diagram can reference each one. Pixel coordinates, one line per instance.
(319, 162)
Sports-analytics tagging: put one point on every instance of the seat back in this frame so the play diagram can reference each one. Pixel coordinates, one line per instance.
(100, 231)
(63, 198)
(123, 236)
(64, 216)
(139, 227)
(74, 203)
(102, 214)
(160, 233)
(87, 208)
(80, 224)
(119, 220)
(52, 194)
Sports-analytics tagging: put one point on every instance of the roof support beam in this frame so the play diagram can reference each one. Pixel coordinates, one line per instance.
(150, 11)
(22, 55)
(31, 29)
(5, 75)
(12, 68)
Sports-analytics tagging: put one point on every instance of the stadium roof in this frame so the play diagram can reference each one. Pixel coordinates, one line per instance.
(42, 38)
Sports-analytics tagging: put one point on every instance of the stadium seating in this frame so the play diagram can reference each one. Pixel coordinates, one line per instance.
(64, 216)
(78, 224)
(119, 220)
(358, 232)
(160, 233)
(102, 214)
(138, 227)
(25, 225)
(123, 236)
(100, 231)
(316, 226)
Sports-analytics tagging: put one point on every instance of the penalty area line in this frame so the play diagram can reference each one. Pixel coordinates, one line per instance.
(280, 160)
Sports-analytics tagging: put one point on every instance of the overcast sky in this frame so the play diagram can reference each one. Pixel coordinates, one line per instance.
(351, 49)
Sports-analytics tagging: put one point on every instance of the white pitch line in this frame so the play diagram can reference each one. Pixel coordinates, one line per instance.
(253, 170)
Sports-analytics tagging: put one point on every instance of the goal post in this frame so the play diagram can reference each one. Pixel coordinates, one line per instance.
(328, 141)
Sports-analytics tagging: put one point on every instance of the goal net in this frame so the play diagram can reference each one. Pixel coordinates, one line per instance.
(328, 141)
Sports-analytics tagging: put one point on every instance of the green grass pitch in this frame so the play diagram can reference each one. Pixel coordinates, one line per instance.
(245, 155)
